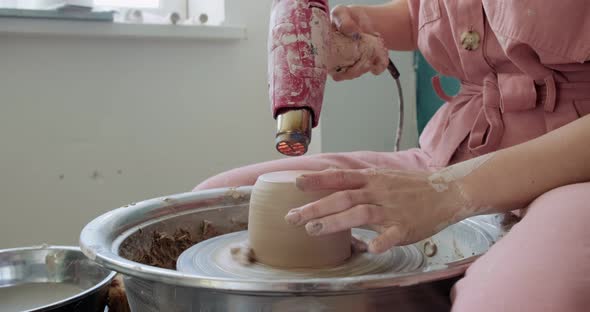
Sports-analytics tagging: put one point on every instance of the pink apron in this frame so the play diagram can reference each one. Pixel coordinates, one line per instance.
(518, 81)
(521, 70)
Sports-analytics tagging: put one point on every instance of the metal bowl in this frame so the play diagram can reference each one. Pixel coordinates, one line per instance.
(51, 278)
(113, 238)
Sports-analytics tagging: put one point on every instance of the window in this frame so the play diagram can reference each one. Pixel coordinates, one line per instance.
(48, 4)
(208, 12)
(139, 4)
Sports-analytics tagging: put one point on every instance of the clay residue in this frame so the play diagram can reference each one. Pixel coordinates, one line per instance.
(208, 230)
(457, 249)
(117, 298)
(243, 255)
(237, 225)
(509, 219)
(345, 52)
(358, 246)
(235, 194)
(165, 248)
(430, 248)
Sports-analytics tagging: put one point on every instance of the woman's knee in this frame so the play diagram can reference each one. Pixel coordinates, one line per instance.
(543, 264)
(562, 202)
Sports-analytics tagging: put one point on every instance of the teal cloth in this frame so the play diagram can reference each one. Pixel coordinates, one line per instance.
(426, 99)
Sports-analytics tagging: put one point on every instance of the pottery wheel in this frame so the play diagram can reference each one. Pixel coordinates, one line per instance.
(212, 258)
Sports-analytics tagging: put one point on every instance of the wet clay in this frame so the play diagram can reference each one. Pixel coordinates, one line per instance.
(345, 52)
(164, 248)
(277, 243)
(243, 255)
(509, 219)
(117, 298)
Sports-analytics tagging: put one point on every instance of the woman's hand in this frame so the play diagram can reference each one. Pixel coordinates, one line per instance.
(351, 21)
(358, 49)
(403, 206)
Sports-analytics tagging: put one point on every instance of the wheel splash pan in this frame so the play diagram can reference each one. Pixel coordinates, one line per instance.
(114, 238)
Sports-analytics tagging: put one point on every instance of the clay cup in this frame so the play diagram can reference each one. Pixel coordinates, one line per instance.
(279, 244)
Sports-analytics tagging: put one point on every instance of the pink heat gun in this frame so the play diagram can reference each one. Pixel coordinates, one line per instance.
(301, 54)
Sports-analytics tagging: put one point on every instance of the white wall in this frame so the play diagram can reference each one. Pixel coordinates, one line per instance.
(88, 125)
(362, 114)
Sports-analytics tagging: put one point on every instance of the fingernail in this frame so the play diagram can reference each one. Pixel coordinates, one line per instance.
(293, 217)
(314, 227)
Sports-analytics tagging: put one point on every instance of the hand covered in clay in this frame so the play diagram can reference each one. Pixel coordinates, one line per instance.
(356, 48)
(404, 207)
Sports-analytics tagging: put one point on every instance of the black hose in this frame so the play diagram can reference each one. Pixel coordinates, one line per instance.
(400, 122)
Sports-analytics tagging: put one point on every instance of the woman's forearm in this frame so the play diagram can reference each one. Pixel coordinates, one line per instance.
(392, 20)
(511, 178)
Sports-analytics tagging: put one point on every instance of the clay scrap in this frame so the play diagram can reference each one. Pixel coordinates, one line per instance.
(164, 248)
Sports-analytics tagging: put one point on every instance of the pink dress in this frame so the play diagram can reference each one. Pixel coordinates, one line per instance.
(524, 72)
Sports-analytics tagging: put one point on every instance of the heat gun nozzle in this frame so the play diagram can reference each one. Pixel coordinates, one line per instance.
(287, 147)
(293, 132)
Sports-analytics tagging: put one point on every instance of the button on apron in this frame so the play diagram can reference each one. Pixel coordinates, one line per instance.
(470, 40)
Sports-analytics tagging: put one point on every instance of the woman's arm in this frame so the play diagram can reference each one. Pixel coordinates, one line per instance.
(406, 207)
(512, 178)
(391, 20)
